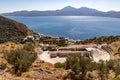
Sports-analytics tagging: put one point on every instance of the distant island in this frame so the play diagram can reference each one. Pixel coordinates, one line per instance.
(66, 11)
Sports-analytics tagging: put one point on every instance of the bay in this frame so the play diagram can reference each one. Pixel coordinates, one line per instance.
(73, 27)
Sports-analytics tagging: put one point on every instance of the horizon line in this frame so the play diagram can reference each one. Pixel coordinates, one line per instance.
(58, 9)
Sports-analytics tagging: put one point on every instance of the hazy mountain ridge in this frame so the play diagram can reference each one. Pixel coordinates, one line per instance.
(66, 11)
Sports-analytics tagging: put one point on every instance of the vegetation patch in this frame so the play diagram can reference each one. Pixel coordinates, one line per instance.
(54, 41)
(21, 59)
(102, 39)
(80, 67)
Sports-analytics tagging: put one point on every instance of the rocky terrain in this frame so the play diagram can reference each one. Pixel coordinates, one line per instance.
(11, 30)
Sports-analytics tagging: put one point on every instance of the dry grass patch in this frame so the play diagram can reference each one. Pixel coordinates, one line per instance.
(115, 46)
(10, 46)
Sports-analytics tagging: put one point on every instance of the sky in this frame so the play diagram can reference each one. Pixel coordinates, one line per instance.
(42, 5)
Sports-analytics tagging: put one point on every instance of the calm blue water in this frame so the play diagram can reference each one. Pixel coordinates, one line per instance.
(73, 27)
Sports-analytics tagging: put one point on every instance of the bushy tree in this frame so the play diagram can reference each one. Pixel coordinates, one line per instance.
(102, 71)
(110, 65)
(21, 59)
(117, 67)
(79, 65)
(29, 47)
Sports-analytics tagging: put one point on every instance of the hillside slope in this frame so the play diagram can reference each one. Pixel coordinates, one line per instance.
(11, 30)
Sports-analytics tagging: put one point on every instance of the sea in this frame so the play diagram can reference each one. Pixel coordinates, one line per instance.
(72, 27)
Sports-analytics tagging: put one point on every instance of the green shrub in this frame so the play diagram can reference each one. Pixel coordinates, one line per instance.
(117, 78)
(59, 65)
(2, 65)
(28, 47)
(117, 67)
(21, 59)
(79, 65)
(110, 65)
(102, 70)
